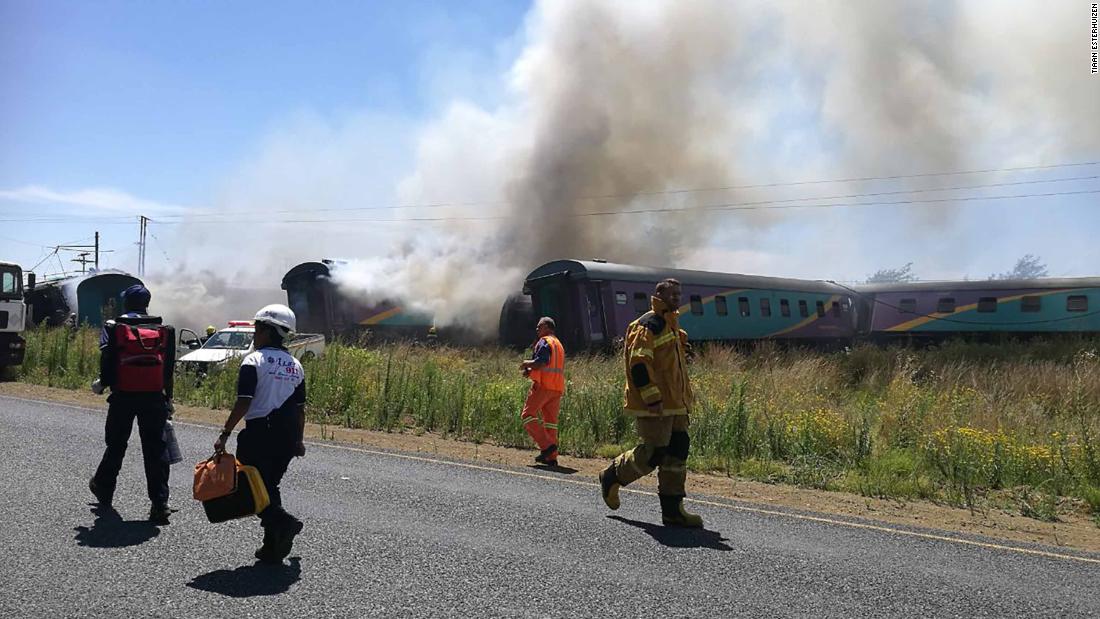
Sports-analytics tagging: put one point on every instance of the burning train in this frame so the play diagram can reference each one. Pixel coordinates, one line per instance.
(594, 301)
(88, 299)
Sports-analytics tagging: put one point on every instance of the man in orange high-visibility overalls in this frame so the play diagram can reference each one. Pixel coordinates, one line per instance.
(547, 373)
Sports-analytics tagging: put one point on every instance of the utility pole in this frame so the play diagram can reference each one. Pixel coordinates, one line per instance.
(83, 259)
(83, 252)
(144, 224)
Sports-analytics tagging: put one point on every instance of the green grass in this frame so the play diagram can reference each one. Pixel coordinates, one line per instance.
(964, 423)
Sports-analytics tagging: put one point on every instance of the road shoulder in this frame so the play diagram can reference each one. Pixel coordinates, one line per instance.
(1073, 531)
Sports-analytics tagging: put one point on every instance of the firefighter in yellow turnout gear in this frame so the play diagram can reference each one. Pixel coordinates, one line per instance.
(658, 396)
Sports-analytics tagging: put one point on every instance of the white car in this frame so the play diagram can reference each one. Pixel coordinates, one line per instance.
(235, 342)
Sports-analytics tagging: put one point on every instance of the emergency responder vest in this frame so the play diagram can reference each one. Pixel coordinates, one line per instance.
(656, 364)
(552, 376)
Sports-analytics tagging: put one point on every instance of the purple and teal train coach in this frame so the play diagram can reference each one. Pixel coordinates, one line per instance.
(592, 303)
(935, 310)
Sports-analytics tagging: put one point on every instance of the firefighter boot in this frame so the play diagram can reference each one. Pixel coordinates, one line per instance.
(673, 514)
(609, 486)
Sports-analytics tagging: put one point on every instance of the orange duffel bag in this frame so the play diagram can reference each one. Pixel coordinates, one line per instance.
(215, 477)
(229, 489)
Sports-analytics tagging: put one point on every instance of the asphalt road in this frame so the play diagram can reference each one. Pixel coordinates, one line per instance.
(390, 535)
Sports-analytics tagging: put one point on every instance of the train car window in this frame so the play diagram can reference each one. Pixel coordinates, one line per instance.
(946, 305)
(820, 309)
(1031, 304)
(836, 308)
(620, 298)
(803, 308)
(720, 305)
(743, 306)
(784, 308)
(908, 306)
(1077, 303)
(641, 302)
(696, 305)
(765, 307)
(987, 305)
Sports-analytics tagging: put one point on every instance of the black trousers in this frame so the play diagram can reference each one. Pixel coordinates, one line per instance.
(268, 444)
(151, 414)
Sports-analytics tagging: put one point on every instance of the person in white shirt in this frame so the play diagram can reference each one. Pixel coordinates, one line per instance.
(271, 398)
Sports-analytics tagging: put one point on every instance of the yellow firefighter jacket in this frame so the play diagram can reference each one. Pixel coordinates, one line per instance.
(656, 366)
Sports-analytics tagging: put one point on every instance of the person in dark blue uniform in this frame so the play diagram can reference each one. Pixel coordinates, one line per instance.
(271, 398)
(151, 409)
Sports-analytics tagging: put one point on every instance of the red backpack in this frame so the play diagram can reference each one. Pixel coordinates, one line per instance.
(141, 352)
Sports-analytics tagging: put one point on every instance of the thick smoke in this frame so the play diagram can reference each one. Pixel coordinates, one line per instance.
(615, 106)
(205, 298)
(610, 107)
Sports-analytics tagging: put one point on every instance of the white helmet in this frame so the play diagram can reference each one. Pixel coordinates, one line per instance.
(279, 316)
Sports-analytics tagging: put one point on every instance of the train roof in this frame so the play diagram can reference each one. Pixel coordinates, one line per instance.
(596, 270)
(10, 264)
(996, 284)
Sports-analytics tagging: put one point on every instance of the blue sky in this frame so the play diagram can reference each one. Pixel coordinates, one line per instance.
(111, 109)
(161, 99)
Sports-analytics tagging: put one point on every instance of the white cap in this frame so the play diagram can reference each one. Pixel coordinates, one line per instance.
(279, 316)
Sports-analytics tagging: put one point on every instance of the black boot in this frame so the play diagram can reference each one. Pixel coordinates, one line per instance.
(544, 456)
(102, 497)
(673, 514)
(267, 552)
(286, 538)
(609, 486)
(159, 513)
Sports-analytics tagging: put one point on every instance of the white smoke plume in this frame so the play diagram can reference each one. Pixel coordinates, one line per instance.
(616, 105)
(205, 298)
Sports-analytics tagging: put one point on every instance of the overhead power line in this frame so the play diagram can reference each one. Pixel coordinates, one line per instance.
(713, 207)
(758, 205)
(454, 204)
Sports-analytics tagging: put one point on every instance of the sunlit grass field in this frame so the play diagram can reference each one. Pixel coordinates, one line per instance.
(986, 426)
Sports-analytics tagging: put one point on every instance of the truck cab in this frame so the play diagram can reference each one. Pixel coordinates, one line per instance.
(13, 314)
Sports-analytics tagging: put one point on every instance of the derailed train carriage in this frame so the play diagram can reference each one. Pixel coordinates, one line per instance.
(89, 299)
(592, 303)
(323, 307)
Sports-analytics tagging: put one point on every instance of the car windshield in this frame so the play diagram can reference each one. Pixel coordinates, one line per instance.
(229, 339)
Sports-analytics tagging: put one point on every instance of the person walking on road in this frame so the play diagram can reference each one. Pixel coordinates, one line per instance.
(136, 361)
(271, 398)
(658, 395)
(547, 373)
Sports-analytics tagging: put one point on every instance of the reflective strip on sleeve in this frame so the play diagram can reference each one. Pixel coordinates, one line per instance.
(550, 426)
(673, 468)
(643, 352)
(665, 339)
(649, 391)
(527, 420)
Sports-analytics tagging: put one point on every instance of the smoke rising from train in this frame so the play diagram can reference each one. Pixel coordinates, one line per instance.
(608, 105)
